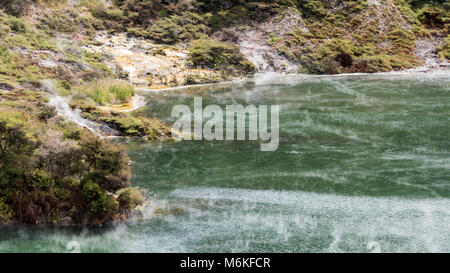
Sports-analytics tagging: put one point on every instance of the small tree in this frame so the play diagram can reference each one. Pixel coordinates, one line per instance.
(15, 145)
(107, 163)
(60, 158)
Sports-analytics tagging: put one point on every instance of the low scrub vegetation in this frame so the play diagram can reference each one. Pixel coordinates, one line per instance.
(53, 172)
(176, 28)
(224, 56)
(444, 50)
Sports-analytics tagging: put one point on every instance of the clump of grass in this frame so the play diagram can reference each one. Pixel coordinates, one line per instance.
(108, 91)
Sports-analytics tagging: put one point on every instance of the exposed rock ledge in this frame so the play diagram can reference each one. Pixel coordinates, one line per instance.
(148, 65)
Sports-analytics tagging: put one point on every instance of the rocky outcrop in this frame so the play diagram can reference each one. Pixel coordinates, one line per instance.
(254, 41)
(427, 51)
(148, 65)
(341, 37)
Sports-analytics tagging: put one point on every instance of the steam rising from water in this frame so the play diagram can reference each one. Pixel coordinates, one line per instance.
(62, 107)
(239, 220)
(363, 162)
(343, 223)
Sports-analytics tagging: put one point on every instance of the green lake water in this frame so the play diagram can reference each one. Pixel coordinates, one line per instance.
(363, 165)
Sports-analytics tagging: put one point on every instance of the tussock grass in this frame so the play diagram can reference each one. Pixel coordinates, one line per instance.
(108, 91)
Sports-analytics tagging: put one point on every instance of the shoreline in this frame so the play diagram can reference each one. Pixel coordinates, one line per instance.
(413, 71)
(135, 105)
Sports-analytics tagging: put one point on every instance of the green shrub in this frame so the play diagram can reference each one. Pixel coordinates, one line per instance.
(210, 53)
(46, 112)
(100, 204)
(432, 16)
(57, 173)
(444, 50)
(106, 163)
(229, 17)
(312, 7)
(69, 20)
(331, 57)
(17, 24)
(16, 142)
(24, 35)
(60, 158)
(6, 213)
(5, 56)
(15, 7)
(113, 14)
(138, 32)
(166, 31)
(71, 131)
(403, 40)
(142, 12)
(385, 62)
(130, 198)
(174, 29)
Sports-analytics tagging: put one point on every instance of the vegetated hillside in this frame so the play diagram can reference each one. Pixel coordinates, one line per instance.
(54, 172)
(312, 36)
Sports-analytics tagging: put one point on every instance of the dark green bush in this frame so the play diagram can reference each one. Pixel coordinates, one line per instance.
(130, 198)
(17, 24)
(432, 16)
(71, 131)
(48, 175)
(107, 164)
(444, 50)
(5, 56)
(210, 53)
(15, 144)
(331, 57)
(15, 7)
(99, 203)
(46, 112)
(177, 28)
(6, 213)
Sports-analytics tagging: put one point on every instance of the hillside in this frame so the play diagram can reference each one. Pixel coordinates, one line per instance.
(70, 72)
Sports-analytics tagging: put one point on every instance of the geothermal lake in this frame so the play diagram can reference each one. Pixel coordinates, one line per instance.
(363, 165)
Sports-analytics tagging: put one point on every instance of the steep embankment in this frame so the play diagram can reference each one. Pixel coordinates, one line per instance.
(313, 36)
(52, 169)
(346, 36)
(148, 65)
